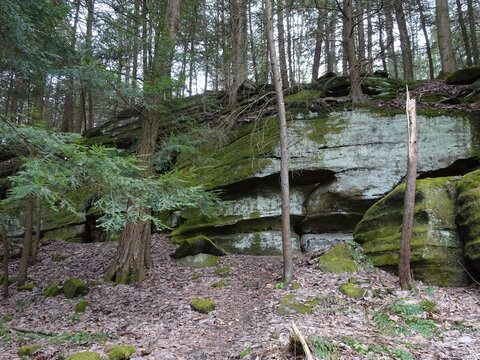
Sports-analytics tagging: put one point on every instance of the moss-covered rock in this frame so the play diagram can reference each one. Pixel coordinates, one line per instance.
(196, 245)
(81, 306)
(53, 289)
(28, 350)
(464, 76)
(291, 304)
(121, 352)
(74, 287)
(203, 306)
(198, 261)
(436, 248)
(469, 216)
(26, 287)
(338, 260)
(350, 290)
(85, 355)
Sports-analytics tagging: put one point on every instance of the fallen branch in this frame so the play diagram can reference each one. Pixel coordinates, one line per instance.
(22, 330)
(308, 354)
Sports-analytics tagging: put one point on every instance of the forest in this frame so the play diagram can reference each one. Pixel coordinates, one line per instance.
(197, 179)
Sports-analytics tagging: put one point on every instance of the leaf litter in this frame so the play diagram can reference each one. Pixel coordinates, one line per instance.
(158, 321)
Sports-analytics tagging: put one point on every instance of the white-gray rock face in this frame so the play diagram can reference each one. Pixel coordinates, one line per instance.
(341, 163)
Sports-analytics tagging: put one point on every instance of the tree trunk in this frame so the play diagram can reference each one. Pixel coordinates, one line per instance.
(38, 227)
(6, 255)
(286, 236)
(319, 38)
(465, 37)
(281, 43)
(405, 45)
(356, 93)
(27, 241)
(369, 38)
(238, 20)
(331, 47)
(444, 34)
(409, 201)
(361, 36)
(473, 32)
(427, 40)
(383, 53)
(391, 41)
(133, 252)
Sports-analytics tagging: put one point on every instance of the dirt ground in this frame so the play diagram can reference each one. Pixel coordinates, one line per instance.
(158, 320)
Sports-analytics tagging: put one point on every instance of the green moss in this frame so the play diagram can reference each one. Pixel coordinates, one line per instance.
(296, 286)
(222, 270)
(26, 287)
(291, 304)
(464, 76)
(85, 355)
(81, 306)
(196, 276)
(53, 289)
(338, 260)
(198, 261)
(203, 306)
(74, 287)
(121, 352)
(196, 245)
(57, 258)
(244, 353)
(352, 291)
(28, 350)
(436, 248)
(303, 97)
(219, 284)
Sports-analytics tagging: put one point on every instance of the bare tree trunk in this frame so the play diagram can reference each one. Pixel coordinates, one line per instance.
(281, 43)
(383, 53)
(391, 41)
(238, 20)
(409, 202)
(465, 37)
(444, 34)
(319, 39)
(38, 227)
(405, 45)
(369, 39)
(291, 64)
(286, 235)
(6, 256)
(331, 50)
(427, 40)
(361, 35)
(252, 46)
(473, 32)
(27, 241)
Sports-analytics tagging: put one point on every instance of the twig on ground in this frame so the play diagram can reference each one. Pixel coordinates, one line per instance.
(308, 354)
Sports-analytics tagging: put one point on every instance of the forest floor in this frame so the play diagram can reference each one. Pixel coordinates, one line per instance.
(428, 323)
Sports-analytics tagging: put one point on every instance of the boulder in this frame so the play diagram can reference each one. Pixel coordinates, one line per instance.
(196, 245)
(74, 287)
(53, 289)
(436, 248)
(350, 290)
(198, 261)
(203, 306)
(464, 76)
(469, 216)
(121, 352)
(338, 260)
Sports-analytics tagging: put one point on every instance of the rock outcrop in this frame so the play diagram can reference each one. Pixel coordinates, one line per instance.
(341, 164)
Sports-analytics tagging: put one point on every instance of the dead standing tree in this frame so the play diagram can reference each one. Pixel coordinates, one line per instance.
(409, 202)
(286, 235)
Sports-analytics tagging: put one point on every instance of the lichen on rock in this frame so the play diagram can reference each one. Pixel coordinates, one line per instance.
(85, 355)
(198, 261)
(338, 260)
(349, 289)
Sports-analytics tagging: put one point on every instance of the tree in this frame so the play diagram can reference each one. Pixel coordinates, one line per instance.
(444, 34)
(286, 235)
(133, 252)
(405, 43)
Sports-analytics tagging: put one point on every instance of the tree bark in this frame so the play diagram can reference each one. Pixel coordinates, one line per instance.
(391, 41)
(409, 201)
(286, 235)
(431, 70)
(405, 45)
(281, 43)
(358, 18)
(465, 37)
(27, 241)
(473, 32)
(6, 256)
(444, 34)
(319, 39)
(38, 228)
(238, 20)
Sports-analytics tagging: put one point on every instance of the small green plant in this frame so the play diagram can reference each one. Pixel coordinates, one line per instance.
(26, 301)
(57, 257)
(430, 291)
(279, 286)
(196, 276)
(219, 284)
(244, 353)
(323, 349)
(6, 318)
